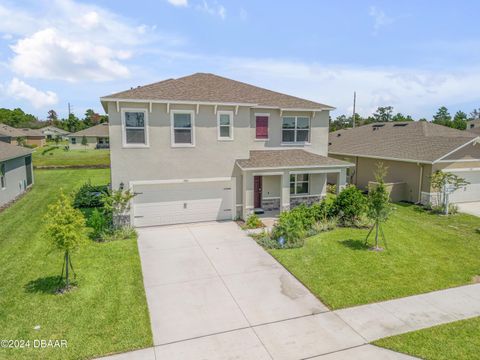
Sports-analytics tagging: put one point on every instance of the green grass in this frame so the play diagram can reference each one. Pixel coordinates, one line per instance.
(106, 313)
(80, 157)
(458, 340)
(425, 252)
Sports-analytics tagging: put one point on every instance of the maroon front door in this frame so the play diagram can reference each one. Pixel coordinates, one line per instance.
(257, 191)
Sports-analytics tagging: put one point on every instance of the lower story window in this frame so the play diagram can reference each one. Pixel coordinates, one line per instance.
(299, 184)
(74, 141)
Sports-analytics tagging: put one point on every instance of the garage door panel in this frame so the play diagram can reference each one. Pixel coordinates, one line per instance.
(182, 203)
(470, 192)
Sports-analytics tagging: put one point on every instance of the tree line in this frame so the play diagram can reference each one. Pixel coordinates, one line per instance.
(387, 114)
(19, 119)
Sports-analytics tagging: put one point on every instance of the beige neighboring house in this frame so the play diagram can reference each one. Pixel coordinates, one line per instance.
(51, 132)
(97, 137)
(16, 172)
(204, 147)
(412, 151)
(12, 135)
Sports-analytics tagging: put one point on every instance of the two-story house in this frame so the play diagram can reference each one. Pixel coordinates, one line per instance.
(204, 147)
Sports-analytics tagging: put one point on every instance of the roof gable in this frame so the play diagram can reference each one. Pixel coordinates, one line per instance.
(203, 87)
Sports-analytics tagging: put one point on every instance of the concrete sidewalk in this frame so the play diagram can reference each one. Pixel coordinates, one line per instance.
(393, 317)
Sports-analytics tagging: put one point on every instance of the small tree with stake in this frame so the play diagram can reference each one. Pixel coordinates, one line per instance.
(379, 206)
(445, 183)
(65, 228)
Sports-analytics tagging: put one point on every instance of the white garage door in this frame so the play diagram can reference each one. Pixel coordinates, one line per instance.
(470, 192)
(163, 204)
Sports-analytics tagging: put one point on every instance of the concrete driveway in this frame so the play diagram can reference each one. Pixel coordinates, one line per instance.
(213, 293)
(472, 208)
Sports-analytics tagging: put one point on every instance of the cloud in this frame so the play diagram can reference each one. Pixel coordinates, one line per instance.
(380, 19)
(18, 89)
(214, 9)
(72, 41)
(178, 2)
(409, 90)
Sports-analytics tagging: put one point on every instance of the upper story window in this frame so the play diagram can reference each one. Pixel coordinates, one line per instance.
(183, 128)
(299, 184)
(3, 182)
(261, 126)
(225, 125)
(135, 127)
(295, 129)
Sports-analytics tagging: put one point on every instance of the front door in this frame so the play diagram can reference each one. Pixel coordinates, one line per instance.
(257, 192)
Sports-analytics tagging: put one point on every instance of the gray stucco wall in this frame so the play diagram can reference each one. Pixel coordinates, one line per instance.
(16, 178)
(210, 157)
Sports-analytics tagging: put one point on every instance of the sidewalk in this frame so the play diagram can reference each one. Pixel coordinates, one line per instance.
(393, 317)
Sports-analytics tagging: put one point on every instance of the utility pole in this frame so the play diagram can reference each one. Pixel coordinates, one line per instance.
(69, 109)
(354, 101)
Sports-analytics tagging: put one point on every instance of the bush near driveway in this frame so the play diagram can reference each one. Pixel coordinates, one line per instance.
(107, 313)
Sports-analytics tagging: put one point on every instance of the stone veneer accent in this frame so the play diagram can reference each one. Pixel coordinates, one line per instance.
(307, 200)
(271, 204)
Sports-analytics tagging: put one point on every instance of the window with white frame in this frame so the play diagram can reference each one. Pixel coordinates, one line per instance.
(3, 181)
(299, 184)
(135, 127)
(295, 129)
(225, 125)
(182, 128)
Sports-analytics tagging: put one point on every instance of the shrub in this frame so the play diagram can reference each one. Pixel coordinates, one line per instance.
(98, 222)
(440, 209)
(253, 222)
(90, 196)
(349, 205)
(331, 189)
(323, 209)
(291, 226)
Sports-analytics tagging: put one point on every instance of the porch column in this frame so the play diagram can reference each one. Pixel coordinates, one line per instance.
(341, 180)
(285, 192)
(247, 189)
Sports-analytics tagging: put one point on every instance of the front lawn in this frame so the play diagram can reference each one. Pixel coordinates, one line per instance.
(459, 341)
(425, 252)
(59, 157)
(106, 313)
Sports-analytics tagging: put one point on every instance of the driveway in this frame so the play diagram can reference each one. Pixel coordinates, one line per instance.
(213, 293)
(472, 208)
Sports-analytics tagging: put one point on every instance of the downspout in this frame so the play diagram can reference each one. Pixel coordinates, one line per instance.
(356, 170)
(420, 180)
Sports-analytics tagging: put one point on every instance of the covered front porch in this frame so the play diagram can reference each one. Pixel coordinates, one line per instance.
(278, 180)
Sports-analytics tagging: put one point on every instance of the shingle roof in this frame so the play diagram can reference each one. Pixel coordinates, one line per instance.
(204, 87)
(262, 159)
(418, 141)
(7, 130)
(54, 129)
(100, 130)
(8, 151)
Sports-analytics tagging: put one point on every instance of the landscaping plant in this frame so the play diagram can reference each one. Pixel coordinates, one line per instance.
(253, 222)
(116, 206)
(379, 207)
(350, 205)
(90, 196)
(65, 229)
(84, 141)
(444, 184)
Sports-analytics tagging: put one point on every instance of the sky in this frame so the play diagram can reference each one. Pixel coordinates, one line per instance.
(408, 54)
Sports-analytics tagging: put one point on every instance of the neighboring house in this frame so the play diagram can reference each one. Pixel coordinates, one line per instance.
(97, 137)
(11, 135)
(51, 132)
(204, 147)
(412, 151)
(16, 172)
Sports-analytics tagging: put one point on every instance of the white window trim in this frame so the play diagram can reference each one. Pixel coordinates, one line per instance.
(229, 113)
(295, 142)
(172, 134)
(124, 129)
(295, 182)
(268, 128)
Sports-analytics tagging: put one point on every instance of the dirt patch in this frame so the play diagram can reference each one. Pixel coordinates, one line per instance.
(476, 279)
